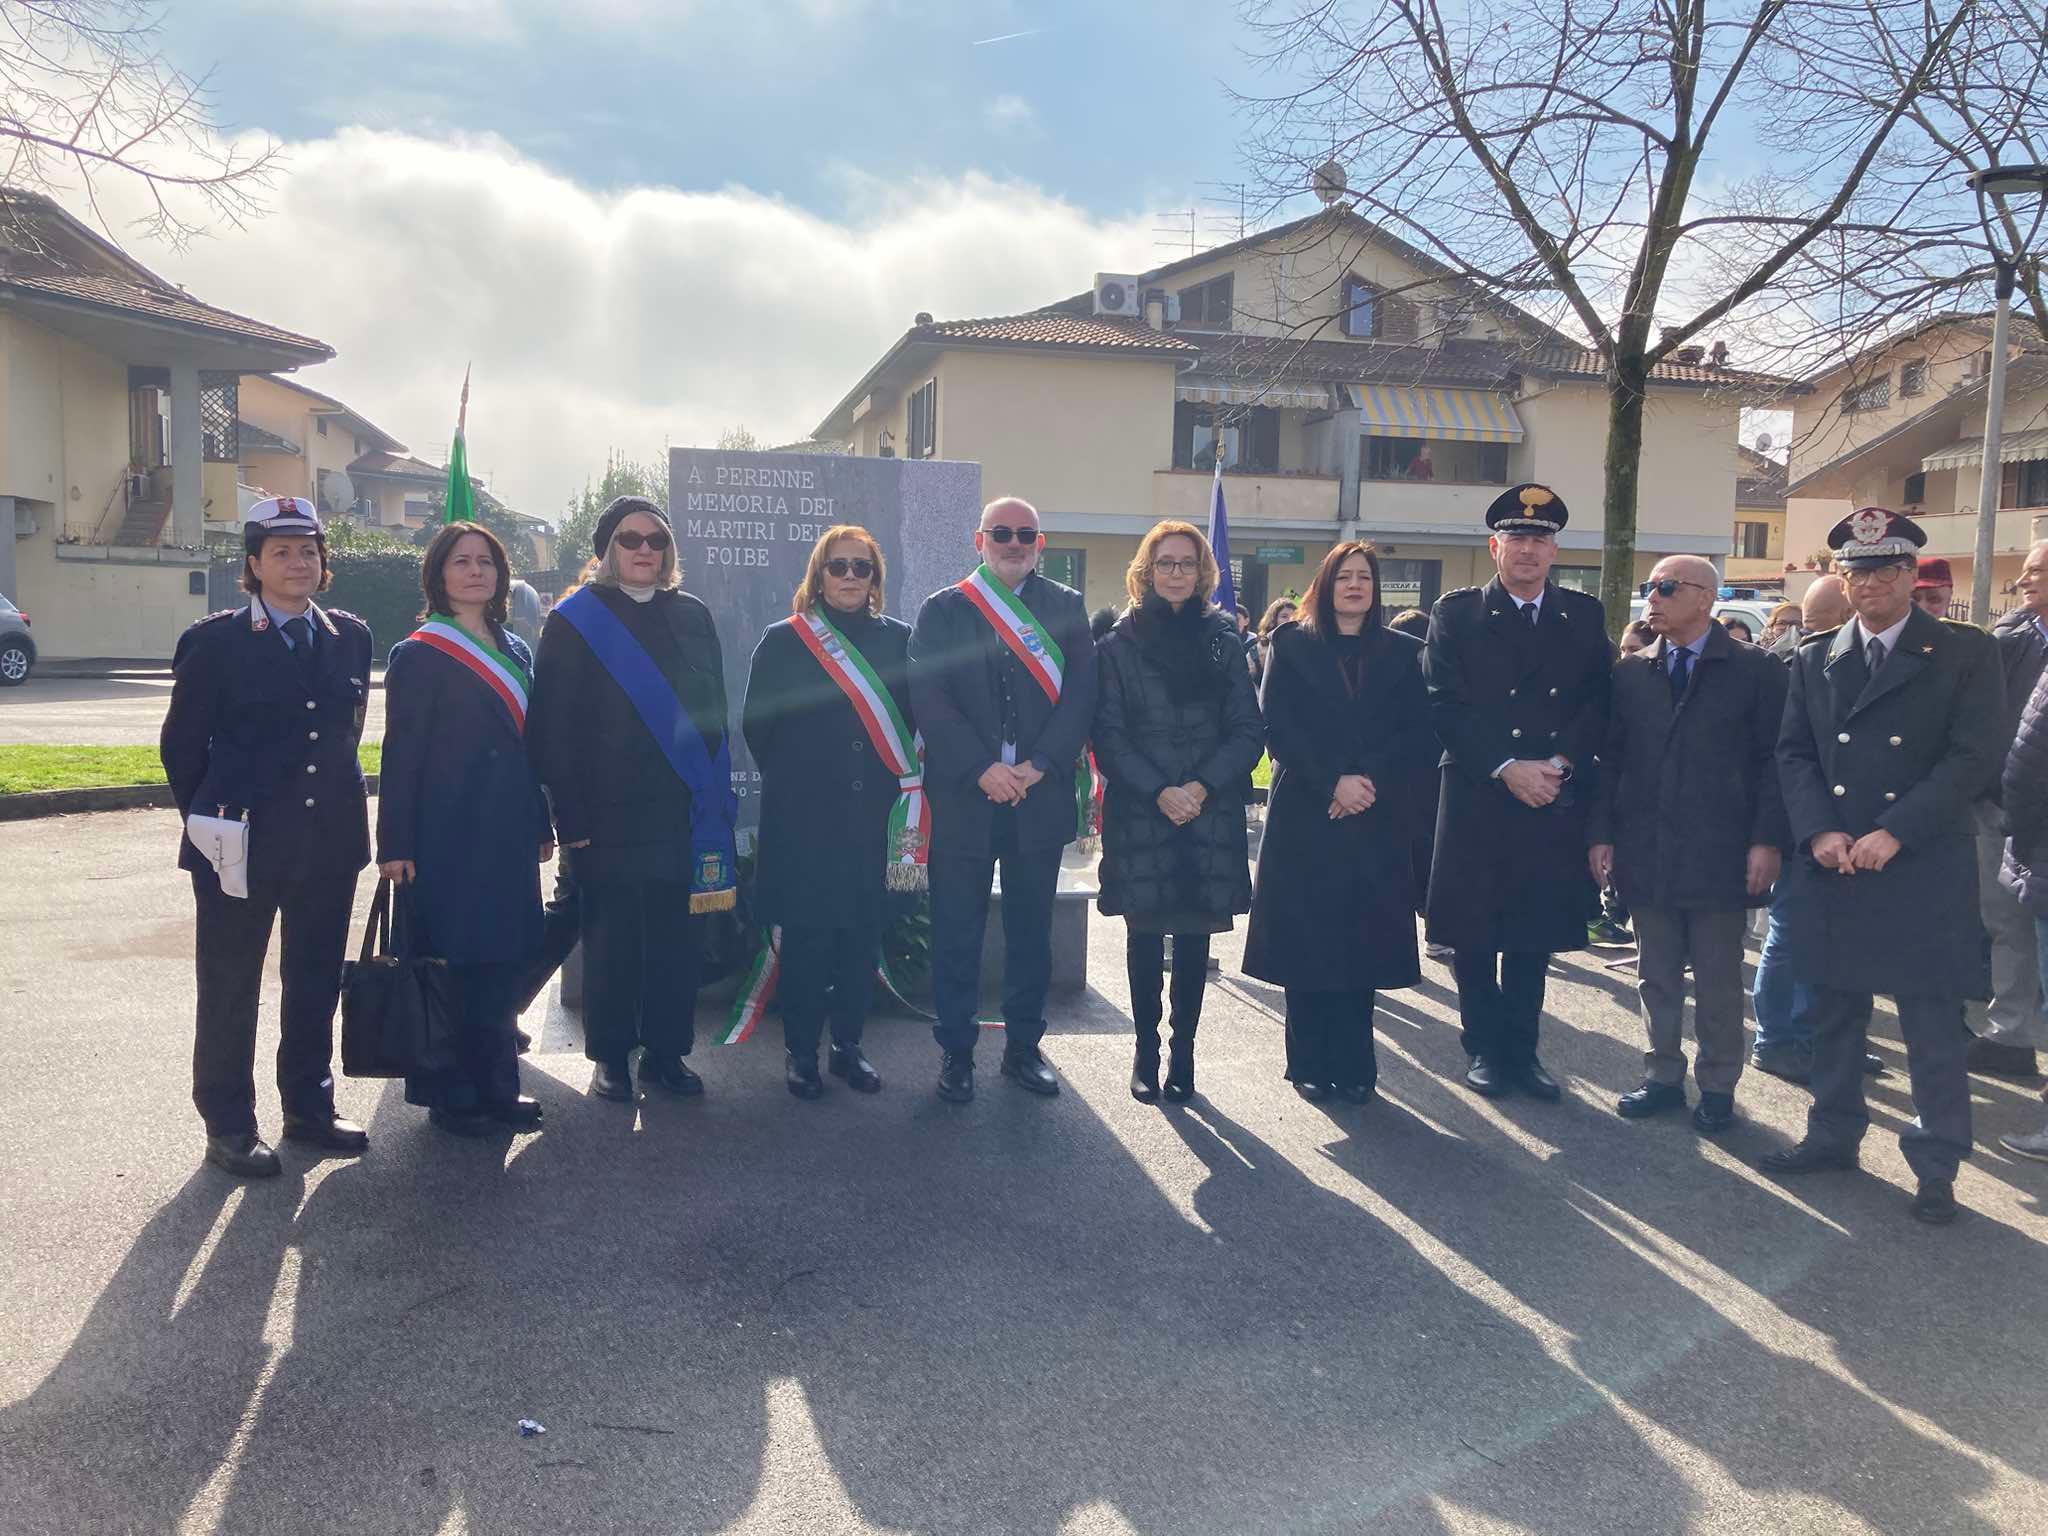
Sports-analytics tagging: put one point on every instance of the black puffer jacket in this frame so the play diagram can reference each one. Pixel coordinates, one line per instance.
(1175, 705)
(2025, 872)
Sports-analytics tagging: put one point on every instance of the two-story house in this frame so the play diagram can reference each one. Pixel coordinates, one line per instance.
(1352, 385)
(296, 441)
(1756, 556)
(1901, 425)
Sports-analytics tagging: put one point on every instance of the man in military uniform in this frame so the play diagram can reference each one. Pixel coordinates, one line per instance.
(1891, 734)
(265, 716)
(1518, 674)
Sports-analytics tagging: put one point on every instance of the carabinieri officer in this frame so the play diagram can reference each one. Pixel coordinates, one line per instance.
(265, 716)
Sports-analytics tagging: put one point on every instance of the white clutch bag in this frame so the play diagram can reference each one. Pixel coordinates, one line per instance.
(224, 842)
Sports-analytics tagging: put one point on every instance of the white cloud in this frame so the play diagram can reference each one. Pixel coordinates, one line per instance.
(1012, 116)
(616, 320)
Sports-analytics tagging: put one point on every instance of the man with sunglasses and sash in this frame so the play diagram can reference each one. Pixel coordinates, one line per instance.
(1891, 734)
(1002, 678)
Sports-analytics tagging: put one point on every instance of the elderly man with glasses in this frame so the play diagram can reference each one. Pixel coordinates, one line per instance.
(1890, 738)
(1002, 679)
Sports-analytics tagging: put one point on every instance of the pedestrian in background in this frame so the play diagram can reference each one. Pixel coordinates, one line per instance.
(1177, 734)
(1933, 587)
(1333, 905)
(843, 819)
(1781, 632)
(265, 717)
(1278, 612)
(462, 820)
(628, 731)
(2025, 871)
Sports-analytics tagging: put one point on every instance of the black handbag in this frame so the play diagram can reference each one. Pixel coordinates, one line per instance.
(397, 1008)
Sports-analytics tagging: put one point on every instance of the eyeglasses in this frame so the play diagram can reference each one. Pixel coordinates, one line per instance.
(1169, 567)
(1669, 586)
(1003, 535)
(1858, 578)
(845, 568)
(632, 539)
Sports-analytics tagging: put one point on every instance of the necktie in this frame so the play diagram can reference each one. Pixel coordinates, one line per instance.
(1873, 656)
(301, 631)
(1532, 612)
(1681, 672)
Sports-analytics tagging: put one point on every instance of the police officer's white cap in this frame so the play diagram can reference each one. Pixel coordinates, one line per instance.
(280, 514)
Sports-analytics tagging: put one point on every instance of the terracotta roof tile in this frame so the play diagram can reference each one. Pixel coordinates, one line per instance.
(1053, 329)
(398, 466)
(1357, 362)
(157, 303)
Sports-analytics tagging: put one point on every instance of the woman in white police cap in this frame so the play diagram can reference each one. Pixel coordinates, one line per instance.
(260, 750)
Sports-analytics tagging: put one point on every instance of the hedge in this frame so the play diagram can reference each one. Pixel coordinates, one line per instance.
(383, 590)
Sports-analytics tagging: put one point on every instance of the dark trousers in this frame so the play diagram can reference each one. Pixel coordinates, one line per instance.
(1329, 1038)
(960, 886)
(486, 1069)
(1500, 1001)
(233, 936)
(1936, 1046)
(640, 965)
(562, 927)
(827, 973)
(1145, 964)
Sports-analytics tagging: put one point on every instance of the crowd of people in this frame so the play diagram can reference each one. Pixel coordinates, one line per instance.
(1491, 767)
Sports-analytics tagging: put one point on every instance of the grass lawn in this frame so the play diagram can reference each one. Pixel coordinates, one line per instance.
(1262, 775)
(28, 768)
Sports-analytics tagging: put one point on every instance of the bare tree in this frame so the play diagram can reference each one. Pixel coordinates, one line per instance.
(1597, 164)
(87, 97)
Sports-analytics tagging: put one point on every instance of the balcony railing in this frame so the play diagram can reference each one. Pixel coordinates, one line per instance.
(1183, 494)
(1955, 533)
(1424, 501)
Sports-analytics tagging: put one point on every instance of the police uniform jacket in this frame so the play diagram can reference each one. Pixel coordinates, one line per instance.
(249, 730)
(1506, 875)
(1907, 751)
(967, 684)
(1685, 791)
(825, 792)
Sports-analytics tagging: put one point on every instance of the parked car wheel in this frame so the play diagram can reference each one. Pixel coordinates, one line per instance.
(15, 662)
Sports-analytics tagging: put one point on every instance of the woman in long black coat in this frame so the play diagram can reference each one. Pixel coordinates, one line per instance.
(461, 816)
(1333, 907)
(624, 809)
(1177, 735)
(824, 855)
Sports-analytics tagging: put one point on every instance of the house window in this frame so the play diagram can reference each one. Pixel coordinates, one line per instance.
(1207, 306)
(2033, 483)
(924, 420)
(1369, 312)
(1916, 490)
(1452, 317)
(1251, 438)
(1913, 378)
(1874, 396)
(1409, 458)
(1577, 578)
(1752, 541)
(1068, 567)
(219, 423)
(320, 425)
(1361, 309)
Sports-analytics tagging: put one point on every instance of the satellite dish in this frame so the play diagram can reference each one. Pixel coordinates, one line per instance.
(339, 490)
(1763, 442)
(1329, 182)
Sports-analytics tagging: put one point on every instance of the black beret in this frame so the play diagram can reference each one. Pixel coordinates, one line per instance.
(617, 512)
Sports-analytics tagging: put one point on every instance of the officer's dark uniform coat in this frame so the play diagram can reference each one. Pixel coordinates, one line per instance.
(1907, 752)
(1507, 876)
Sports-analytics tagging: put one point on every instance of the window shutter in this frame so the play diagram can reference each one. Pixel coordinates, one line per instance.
(931, 419)
(1398, 320)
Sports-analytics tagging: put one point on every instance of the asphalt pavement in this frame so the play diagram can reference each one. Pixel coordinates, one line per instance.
(58, 711)
(746, 1313)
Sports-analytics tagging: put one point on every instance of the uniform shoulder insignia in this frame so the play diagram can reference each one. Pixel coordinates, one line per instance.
(1819, 637)
(215, 618)
(1964, 626)
(1460, 592)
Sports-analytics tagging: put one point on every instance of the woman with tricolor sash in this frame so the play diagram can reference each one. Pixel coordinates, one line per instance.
(629, 734)
(460, 815)
(844, 818)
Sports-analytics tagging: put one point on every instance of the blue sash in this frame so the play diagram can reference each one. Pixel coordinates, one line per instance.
(713, 806)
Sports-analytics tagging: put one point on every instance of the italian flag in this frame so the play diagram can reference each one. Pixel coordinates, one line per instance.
(458, 504)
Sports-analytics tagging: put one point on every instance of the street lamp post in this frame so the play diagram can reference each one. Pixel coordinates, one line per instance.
(1999, 182)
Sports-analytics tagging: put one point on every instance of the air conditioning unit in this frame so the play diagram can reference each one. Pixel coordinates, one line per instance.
(1117, 294)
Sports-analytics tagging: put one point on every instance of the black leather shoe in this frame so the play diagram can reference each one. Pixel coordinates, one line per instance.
(608, 1081)
(801, 1076)
(1145, 1077)
(1315, 1093)
(521, 1113)
(522, 1039)
(956, 1076)
(1358, 1093)
(245, 1155)
(1996, 1059)
(1807, 1157)
(847, 1061)
(462, 1122)
(1873, 1065)
(1788, 1062)
(1180, 1075)
(1029, 1072)
(1715, 1114)
(1537, 1083)
(671, 1074)
(328, 1132)
(1935, 1203)
(1651, 1099)
(1487, 1080)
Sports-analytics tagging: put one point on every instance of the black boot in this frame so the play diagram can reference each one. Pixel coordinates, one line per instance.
(1145, 1070)
(1190, 977)
(1180, 1068)
(1144, 967)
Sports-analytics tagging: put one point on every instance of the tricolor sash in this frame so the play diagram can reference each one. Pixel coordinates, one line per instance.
(910, 819)
(505, 678)
(757, 990)
(1032, 643)
(714, 863)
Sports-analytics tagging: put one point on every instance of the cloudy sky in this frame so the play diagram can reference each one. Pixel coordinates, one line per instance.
(648, 222)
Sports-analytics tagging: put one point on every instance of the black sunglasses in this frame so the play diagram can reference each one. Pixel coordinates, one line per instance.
(1669, 586)
(1003, 535)
(632, 540)
(845, 568)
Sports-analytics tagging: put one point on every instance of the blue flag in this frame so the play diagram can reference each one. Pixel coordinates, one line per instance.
(1219, 539)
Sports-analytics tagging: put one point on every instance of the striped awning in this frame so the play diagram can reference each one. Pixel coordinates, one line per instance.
(1446, 415)
(1281, 394)
(2013, 448)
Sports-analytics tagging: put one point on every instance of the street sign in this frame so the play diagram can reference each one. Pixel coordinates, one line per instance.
(1277, 554)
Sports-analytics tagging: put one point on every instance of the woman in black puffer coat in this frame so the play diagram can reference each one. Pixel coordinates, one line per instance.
(1177, 735)
(2025, 872)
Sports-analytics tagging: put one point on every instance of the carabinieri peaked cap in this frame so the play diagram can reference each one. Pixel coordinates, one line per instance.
(1875, 536)
(1531, 507)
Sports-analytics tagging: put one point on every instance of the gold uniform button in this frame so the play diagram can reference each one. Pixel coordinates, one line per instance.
(1843, 737)
(1841, 789)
